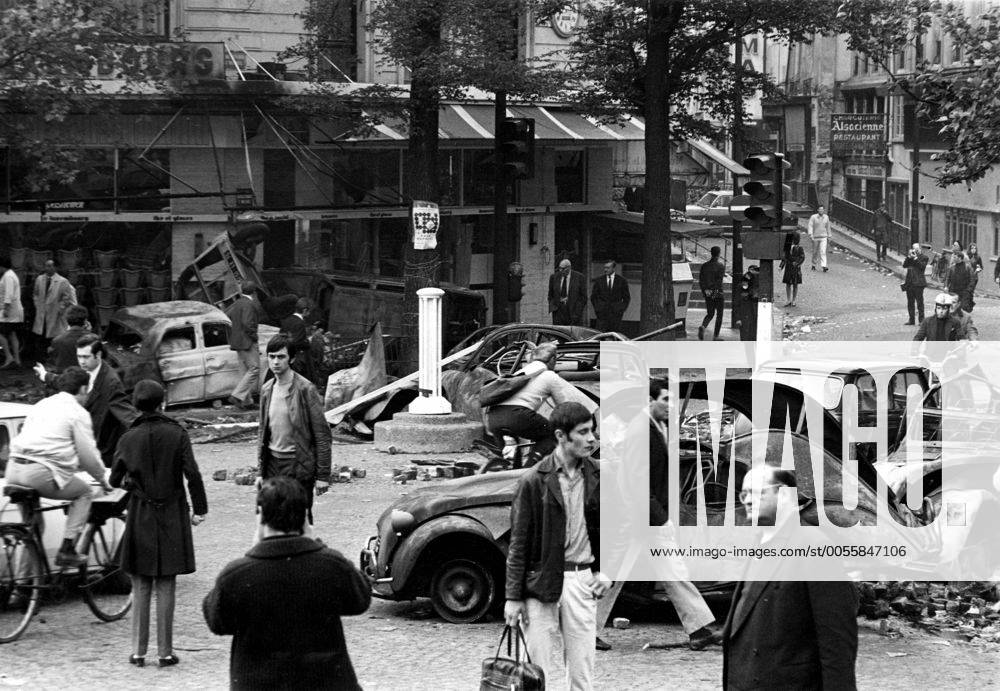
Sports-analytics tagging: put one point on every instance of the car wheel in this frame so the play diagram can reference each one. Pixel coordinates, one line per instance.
(462, 590)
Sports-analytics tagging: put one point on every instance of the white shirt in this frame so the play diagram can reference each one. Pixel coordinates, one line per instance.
(92, 374)
(59, 435)
(544, 385)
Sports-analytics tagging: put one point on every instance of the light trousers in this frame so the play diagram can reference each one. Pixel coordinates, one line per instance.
(39, 478)
(142, 593)
(250, 383)
(560, 635)
(819, 251)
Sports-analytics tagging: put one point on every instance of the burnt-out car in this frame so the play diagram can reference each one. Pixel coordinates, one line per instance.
(449, 542)
(182, 344)
(494, 338)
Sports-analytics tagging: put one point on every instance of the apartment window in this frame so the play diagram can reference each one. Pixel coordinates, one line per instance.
(956, 52)
(996, 235)
(152, 17)
(936, 52)
(571, 176)
(857, 65)
(896, 117)
(959, 224)
(899, 60)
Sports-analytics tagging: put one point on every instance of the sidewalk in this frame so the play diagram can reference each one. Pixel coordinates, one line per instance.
(857, 244)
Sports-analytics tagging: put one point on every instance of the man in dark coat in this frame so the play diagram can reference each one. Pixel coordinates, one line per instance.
(914, 283)
(610, 297)
(245, 316)
(940, 326)
(710, 280)
(110, 409)
(62, 352)
(283, 601)
(567, 295)
(295, 326)
(785, 633)
(152, 461)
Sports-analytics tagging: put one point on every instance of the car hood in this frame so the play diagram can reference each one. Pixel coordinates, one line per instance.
(454, 495)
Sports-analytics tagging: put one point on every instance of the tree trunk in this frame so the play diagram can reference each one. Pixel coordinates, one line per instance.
(657, 308)
(422, 183)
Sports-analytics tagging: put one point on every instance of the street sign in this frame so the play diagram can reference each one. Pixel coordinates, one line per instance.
(426, 217)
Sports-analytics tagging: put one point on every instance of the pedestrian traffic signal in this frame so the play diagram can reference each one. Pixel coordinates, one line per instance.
(517, 147)
(764, 193)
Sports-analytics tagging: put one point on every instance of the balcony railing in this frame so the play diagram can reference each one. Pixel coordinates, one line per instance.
(860, 220)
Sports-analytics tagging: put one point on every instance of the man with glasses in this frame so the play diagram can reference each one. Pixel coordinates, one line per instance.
(804, 633)
(567, 295)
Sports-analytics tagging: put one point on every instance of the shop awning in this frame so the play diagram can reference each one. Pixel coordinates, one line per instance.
(552, 123)
(717, 156)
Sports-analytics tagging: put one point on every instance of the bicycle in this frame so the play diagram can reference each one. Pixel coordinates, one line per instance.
(26, 575)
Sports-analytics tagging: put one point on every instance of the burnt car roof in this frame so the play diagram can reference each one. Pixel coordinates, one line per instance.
(142, 318)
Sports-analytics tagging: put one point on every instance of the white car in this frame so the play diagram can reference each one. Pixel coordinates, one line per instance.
(712, 207)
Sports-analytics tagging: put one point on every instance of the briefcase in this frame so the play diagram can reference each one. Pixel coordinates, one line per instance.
(511, 673)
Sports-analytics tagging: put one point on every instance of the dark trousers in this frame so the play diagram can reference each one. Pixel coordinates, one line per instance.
(880, 249)
(609, 322)
(715, 307)
(915, 298)
(519, 421)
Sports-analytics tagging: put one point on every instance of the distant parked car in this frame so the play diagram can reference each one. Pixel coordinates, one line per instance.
(712, 207)
(181, 343)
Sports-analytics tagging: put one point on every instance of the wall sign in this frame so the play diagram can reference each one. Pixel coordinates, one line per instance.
(564, 22)
(850, 131)
(426, 221)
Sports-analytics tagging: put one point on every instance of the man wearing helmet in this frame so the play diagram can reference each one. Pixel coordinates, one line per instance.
(967, 331)
(941, 326)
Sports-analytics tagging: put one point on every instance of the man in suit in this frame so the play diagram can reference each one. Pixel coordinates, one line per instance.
(53, 295)
(245, 315)
(799, 634)
(62, 352)
(610, 297)
(567, 295)
(110, 410)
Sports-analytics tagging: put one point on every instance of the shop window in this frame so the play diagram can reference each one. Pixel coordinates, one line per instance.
(392, 236)
(366, 177)
(216, 335)
(477, 177)
(142, 182)
(449, 176)
(571, 176)
(348, 245)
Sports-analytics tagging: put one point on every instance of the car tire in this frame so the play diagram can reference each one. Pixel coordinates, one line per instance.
(462, 590)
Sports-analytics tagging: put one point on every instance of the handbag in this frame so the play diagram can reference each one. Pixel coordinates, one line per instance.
(499, 390)
(512, 673)
(902, 287)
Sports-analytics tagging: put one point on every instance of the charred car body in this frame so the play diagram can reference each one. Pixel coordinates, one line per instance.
(344, 302)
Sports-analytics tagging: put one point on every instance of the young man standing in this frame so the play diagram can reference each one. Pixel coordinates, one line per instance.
(11, 314)
(294, 437)
(552, 583)
(710, 280)
(819, 231)
(53, 294)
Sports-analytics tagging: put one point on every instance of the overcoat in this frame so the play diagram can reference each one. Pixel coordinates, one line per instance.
(50, 306)
(152, 460)
(110, 411)
(282, 604)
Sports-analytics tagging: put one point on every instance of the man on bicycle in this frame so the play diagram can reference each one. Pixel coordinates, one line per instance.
(518, 416)
(57, 441)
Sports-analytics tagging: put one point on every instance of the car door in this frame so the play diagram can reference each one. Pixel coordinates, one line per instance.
(222, 366)
(182, 365)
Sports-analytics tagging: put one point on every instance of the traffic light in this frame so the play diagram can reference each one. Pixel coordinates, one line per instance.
(764, 193)
(517, 147)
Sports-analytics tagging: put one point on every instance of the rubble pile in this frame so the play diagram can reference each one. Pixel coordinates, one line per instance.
(964, 611)
(792, 328)
(426, 470)
(248, 475)
(21, 388)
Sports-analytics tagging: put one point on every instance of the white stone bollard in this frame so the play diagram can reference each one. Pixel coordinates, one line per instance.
(430, 401)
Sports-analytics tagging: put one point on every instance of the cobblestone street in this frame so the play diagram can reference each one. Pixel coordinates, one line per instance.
(401, 645)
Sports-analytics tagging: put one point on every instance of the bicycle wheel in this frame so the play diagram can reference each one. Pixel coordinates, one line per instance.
(20, 581)
(106, 588)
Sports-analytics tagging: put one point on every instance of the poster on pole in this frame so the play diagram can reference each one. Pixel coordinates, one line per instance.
(426, 221)
(850, 131)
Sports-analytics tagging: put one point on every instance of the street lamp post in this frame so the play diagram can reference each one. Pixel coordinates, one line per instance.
(918, 53)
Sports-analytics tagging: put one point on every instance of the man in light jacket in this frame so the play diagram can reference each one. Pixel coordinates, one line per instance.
(245, 315)
(819, 231)
(53, 294)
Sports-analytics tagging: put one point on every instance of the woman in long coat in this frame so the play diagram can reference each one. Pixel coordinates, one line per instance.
(792, 264)
(152, 459)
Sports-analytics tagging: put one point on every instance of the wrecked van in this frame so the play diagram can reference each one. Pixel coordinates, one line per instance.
(346, 303)
(182, 344)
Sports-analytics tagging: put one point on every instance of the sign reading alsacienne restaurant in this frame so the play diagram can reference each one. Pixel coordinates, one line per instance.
(850, 131)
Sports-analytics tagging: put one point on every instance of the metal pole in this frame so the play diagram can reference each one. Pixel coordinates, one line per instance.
(737, 138)
(915, 152)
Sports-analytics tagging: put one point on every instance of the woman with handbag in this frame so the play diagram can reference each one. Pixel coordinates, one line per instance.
(152, 460)
(792, 265)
